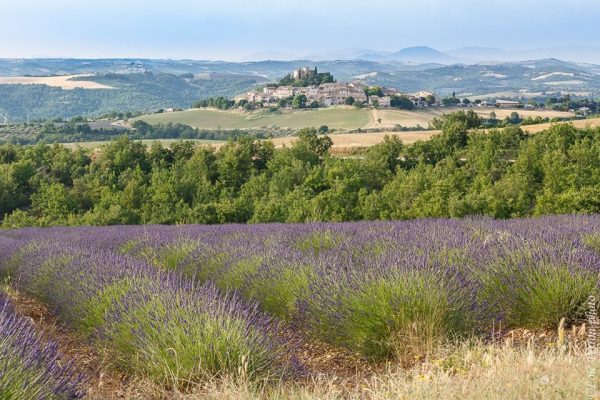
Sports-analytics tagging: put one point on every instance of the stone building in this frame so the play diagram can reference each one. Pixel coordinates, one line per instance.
(305, 72)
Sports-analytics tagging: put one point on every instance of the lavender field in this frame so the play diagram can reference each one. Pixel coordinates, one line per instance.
(180, 305)
(30, 366)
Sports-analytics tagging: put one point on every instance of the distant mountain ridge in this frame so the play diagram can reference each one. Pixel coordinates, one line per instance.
(463, 55)
(409, 55)
(148, 85)
(423, 55)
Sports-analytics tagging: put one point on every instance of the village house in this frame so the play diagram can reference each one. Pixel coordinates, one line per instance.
(384, 101)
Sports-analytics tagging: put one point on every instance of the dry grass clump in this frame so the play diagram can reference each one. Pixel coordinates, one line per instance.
(523, 365)
(464, 371)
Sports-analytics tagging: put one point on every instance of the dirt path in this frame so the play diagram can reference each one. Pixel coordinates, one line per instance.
(374, 119)
(103, 381)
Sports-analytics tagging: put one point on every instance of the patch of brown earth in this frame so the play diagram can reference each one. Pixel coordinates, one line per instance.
(103, 381)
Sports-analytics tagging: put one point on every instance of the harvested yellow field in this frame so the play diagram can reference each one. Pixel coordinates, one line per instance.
(502, 113)
(65, 82)
(358, 140)
(580, 123)
(389, 118)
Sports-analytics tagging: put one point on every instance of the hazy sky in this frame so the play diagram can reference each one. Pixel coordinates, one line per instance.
(235, 29)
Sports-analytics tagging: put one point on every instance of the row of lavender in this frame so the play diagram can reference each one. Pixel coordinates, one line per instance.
(30, 367)
(155, 324)
(389, 289)
(383, 289)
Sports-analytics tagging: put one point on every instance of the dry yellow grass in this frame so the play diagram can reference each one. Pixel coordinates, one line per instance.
(354, 140)
(580, 123)
(466, 372)
(65, 81)
(388, 118)
(357, 140)
(522, 365)
(502, 113)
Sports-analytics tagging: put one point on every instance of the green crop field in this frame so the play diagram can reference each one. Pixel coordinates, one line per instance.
(336, 118)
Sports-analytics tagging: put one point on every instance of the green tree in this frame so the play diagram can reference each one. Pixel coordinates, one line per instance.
(401, 102)
(53, 204)
(299, 101)
(323, 130)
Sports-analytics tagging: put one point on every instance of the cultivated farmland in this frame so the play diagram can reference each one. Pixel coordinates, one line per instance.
(65, 82)
(343, 142)
(580, 124)
(182, 306)
(336, 118)
(340, 118)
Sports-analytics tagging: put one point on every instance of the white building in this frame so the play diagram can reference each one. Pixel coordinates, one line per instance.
(507, 103)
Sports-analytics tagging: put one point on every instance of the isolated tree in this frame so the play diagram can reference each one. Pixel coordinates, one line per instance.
(323, 129)
(514, 118)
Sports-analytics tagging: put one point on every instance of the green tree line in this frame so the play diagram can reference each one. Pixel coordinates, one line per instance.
(501, 173)
(75, 132)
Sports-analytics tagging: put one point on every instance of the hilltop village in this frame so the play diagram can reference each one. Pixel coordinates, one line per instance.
(306, 87)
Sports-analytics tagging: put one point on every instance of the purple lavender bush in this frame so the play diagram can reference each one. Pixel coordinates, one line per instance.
(156, 324)
(30, 367)
(382, 289)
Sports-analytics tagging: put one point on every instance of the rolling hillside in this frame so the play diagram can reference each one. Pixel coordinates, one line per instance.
(148, 85)
(339, 118)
